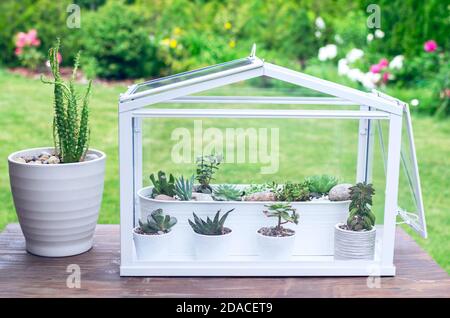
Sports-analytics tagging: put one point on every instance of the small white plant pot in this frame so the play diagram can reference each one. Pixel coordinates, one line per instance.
(152, 247)
(57, 204)
(353, 244)
(212, 247)
(273, 248)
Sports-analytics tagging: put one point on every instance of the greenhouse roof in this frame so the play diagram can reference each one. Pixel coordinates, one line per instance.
(196, 81)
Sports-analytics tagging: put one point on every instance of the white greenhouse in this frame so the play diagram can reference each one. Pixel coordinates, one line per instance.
(313, 252)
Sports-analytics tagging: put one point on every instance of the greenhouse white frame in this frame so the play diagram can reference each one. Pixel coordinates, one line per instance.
(180, 88)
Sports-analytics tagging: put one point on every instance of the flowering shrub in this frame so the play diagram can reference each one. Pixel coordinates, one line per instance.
(26, 49)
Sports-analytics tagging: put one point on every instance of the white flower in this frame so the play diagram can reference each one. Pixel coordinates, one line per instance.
(354, 55)
(320, 24)
(379, 34)
(415, 102)
(369, 37)
(318, 34)
(338, 39)
(370, 80)
(343, 67)
(355, 75)
(328, 52)
(397, 62)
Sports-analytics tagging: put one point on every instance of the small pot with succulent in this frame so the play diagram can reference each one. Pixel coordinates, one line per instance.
(277, 242)
(58, 190)
(152, 239)
(212, 240)
(355, 239)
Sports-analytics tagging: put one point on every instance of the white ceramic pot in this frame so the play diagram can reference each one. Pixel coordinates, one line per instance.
(212, 247)
(275, 248)
(353, 244)
(57, 205)
(152, 247)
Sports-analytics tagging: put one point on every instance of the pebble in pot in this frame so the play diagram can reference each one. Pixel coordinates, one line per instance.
(340, 192)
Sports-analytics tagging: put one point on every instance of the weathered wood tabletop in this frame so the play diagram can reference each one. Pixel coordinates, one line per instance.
(25, 275)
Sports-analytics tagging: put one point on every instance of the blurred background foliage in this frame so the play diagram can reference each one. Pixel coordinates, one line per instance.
(137, 39)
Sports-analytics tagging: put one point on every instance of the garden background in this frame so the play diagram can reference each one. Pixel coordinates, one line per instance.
(123, 42)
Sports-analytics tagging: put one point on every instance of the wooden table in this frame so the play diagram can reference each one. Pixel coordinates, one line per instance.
(25, 275)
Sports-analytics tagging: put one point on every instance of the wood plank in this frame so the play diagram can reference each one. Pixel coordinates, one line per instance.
(25, 275)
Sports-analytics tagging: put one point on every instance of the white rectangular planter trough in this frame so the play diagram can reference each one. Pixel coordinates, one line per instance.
(313, 252)
(314, 233)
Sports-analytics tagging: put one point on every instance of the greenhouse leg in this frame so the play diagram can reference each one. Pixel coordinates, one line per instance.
(126, 187)
(137, 156)
(391, 191)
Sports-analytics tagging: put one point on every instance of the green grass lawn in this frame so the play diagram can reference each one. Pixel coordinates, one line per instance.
(306, 147)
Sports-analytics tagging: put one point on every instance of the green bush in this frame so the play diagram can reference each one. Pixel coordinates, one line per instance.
(116, 44)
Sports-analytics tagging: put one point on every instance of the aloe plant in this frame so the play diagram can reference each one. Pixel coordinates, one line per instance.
(227, 192)
(210, 227)
(157, 223)
(71, 115)
(183, 188)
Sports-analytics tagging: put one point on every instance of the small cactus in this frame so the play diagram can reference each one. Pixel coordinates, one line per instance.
(210, 227)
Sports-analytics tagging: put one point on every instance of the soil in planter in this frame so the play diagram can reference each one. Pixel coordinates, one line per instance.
(225, 230)
(346, 228)
(276, 231)
(139, 231)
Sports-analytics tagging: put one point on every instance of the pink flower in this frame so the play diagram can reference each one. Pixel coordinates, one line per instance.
(59, 58)
(386, 76)
(376, 68)
(383, 63)
(430, 46)
(18, 51)
(21, 39)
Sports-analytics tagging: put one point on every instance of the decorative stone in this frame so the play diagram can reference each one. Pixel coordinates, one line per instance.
(260, 196)
(340, 192)
(91, 156)
(197, 196)
(45, 154)
(53, 160)
(21, 160)
(37, 162)
(164, 197)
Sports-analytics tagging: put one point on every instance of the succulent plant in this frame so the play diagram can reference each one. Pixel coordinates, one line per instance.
(291, 192)
(157, 223)
(320, 184)
(183, 188)
(162, 185)
(227, 192)
(361, 216)
(206, 167)
(283, 211)
(210, 227)
(255, 188)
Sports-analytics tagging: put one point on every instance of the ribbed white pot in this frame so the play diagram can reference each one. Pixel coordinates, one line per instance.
(152, 247)
(354, 244)
(212, 247)
(57, 205)
(272, 248)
